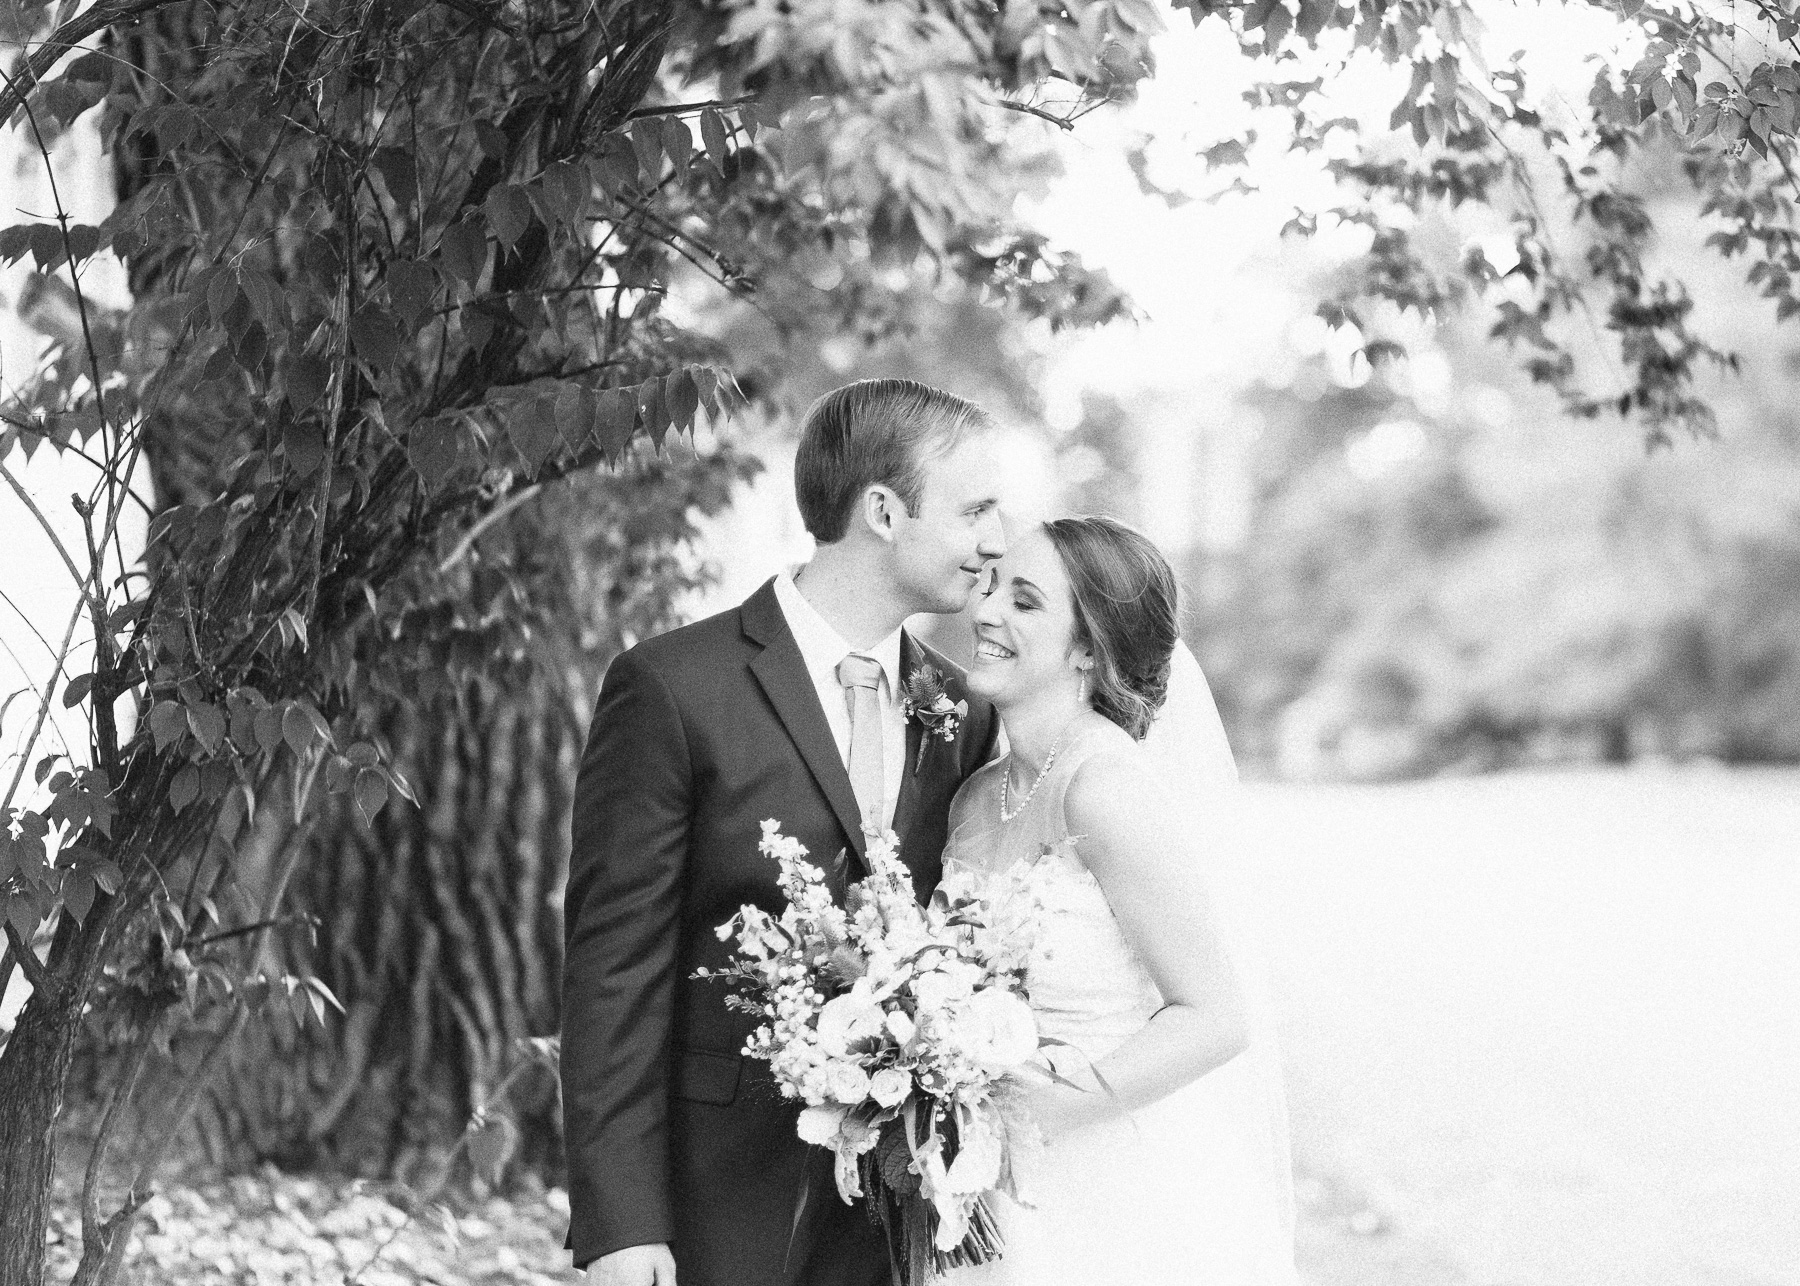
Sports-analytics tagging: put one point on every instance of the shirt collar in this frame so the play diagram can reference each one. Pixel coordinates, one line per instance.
(821, 646)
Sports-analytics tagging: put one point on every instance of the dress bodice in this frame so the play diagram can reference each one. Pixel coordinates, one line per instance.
(1086, 984)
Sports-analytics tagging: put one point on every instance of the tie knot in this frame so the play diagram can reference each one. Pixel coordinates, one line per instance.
(859, 671)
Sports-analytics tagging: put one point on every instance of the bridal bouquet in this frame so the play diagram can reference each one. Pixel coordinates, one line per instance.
(895, 1025)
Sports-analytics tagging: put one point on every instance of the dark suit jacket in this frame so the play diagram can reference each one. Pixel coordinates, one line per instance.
(671, 1135)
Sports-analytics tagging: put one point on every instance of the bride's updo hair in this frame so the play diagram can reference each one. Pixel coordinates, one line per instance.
(1125, 614)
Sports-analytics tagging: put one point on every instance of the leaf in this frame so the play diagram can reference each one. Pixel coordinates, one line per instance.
(308, 376)
(615, 420)
(303, 442)
(78, 894)
(66, 100)
(168, 721)
(508, 213)
(371, 793)
(397, 169)
(15, 243)
(574, 414)
(646, 141)
(464, 249)
(532, 427)
(402, 787)
(566, 185)
(84, 239)
(208, 726)
(490, 1142)
(106, 874)
(46, 245)
(678, 141)
(432, 451)
(251, 346)
(94, 67)
(413, 287)
(221, 294)
(376, 336)
(681, 398)
(712, 133)
(185, 789)
(268, 728)
(22, 914)
(77, 691)
(298, 729)
(650, 406)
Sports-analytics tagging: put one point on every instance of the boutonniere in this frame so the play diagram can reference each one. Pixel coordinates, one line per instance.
(924, 698)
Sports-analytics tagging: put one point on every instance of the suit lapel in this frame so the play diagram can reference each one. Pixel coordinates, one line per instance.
(907, 803)
(782, 673)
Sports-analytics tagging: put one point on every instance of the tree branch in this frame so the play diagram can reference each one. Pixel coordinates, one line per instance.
(35, 973)
(676, 109)
(64, 40)
(488, 519)
(1013, 105)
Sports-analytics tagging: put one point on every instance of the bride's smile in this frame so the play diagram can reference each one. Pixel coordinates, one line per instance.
(1025, 628)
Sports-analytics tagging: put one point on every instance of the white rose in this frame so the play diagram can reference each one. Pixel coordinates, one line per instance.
(847, 1020)
(1000, 1028)
(846, 1082)
(943, 986)
(819, 1125)
(890, 1086)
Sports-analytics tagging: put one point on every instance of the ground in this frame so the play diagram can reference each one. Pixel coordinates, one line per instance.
(1541, 1030)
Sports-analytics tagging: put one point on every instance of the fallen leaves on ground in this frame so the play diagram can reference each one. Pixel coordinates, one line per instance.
(275, 1229)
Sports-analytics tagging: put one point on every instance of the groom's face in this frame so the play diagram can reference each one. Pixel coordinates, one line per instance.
(942, 552)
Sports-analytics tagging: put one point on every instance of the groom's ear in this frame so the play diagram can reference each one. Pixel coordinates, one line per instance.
(881, 510)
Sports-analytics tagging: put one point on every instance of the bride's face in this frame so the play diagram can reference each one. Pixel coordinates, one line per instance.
(1025, 626)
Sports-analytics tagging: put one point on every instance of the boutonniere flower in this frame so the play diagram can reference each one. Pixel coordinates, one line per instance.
(923, 698)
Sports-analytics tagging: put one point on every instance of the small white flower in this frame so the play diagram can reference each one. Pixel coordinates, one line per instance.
(900, 1026)
(1001, 1031)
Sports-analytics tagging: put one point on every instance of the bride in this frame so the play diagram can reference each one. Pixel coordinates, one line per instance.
(1165, 1160)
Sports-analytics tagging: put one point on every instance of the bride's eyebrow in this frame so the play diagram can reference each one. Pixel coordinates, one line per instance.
(1019, 582)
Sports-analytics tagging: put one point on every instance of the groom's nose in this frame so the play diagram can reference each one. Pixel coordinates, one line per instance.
(992, 544)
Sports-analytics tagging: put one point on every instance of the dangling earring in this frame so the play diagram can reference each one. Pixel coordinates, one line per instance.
(1084, 686)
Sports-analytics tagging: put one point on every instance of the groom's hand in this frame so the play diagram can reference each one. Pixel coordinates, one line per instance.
(635, 1266)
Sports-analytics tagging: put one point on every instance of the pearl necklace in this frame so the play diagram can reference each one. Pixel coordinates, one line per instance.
(1006, 781)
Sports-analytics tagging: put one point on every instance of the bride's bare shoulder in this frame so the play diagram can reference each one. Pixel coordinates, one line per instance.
(1115, 802)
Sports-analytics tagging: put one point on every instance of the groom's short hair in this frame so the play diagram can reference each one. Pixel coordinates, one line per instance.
(874, 433)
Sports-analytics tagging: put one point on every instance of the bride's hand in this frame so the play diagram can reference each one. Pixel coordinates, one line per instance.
(1053, 1108)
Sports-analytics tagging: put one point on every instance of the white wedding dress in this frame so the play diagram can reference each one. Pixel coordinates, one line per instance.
(1194, 1190)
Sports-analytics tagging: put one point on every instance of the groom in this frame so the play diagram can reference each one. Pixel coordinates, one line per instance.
(682, 1154)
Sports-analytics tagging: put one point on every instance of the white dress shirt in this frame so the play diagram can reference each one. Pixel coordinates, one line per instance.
(822, 647)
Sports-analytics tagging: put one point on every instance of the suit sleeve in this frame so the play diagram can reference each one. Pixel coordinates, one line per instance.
(622, 913)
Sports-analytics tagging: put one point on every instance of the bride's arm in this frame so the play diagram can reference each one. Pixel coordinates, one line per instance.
(1151, 868)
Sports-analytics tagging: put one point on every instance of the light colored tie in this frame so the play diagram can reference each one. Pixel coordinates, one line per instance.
(861, 677)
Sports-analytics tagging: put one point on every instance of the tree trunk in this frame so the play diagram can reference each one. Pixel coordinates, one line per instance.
(439, 929)
(32, 1070)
